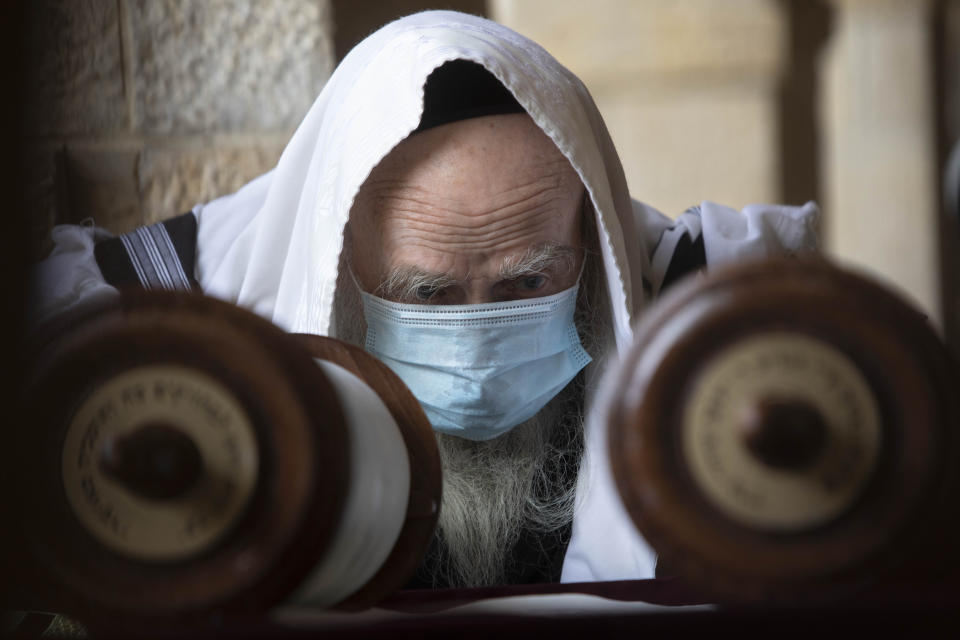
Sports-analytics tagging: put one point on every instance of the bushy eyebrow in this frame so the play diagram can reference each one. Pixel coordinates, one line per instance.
(405, 282)
(551, 257)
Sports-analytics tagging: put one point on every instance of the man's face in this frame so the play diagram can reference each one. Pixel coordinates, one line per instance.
(481, 210)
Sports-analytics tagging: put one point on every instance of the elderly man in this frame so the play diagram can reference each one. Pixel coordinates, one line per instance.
(453, 202)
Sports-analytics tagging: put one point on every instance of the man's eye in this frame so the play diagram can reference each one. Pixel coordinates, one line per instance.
(426, 292)
(531, 283)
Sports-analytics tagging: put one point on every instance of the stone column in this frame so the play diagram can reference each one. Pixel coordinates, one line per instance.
(688, 89)
(881, 201)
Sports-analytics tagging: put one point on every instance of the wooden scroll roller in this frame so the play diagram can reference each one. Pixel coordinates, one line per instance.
(185, 457)
(788, 431)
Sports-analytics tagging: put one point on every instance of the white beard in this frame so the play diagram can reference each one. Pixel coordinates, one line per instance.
(524, 480)
(493, 491)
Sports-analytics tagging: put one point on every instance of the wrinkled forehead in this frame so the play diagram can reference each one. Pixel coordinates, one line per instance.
(481, 157)
(465, 200)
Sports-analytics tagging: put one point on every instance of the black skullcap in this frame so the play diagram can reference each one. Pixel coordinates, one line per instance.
(462, 89)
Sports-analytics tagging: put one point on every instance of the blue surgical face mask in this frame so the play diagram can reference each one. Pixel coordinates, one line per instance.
(478, 369)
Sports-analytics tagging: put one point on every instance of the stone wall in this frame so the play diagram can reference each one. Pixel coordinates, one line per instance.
(139, 109)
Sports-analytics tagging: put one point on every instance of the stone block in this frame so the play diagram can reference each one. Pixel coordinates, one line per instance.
(613, 41)
(101, 185)
(683, 146)
(226, 66)
(40, 196)
(74, 71)
(173, 180)
(68, 185)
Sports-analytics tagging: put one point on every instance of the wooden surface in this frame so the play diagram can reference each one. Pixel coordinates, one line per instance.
(905, 520)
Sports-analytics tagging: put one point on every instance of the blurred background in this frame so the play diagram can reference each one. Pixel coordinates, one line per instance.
(132, 111)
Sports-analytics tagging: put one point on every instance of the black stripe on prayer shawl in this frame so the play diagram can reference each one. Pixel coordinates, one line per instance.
(159, 256)
(688, 256)
(681, 253)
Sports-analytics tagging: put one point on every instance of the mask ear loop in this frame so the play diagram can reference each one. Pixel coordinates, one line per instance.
(353, 276)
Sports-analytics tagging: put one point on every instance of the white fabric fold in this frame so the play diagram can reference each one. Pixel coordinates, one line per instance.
(69, 276)
(757, 231)
(605, 544)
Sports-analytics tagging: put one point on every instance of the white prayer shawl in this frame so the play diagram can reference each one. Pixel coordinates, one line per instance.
(274, 246)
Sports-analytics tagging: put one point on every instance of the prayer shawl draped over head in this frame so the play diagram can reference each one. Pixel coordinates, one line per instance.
(275, 246)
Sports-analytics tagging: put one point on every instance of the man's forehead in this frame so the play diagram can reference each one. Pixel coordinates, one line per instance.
(502, 148)
(462, 198)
